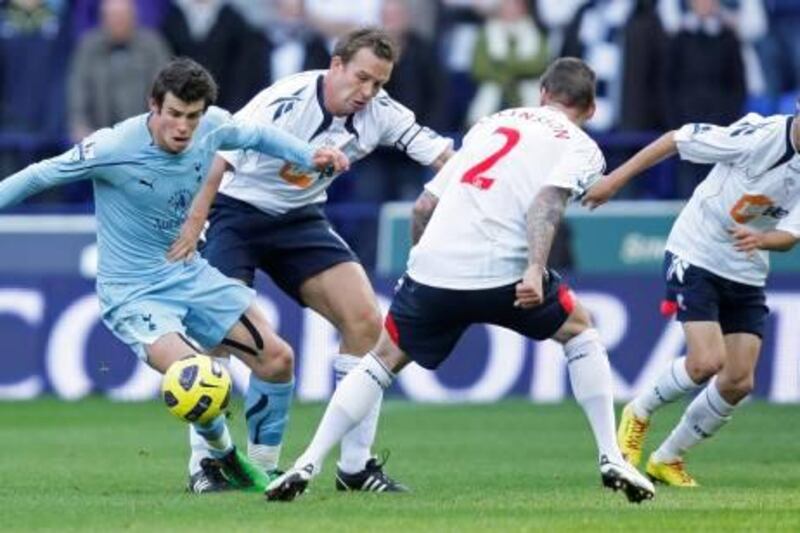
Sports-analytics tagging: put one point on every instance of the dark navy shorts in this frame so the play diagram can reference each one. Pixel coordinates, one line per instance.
(700, 295)
(290, 248)
(426, 322)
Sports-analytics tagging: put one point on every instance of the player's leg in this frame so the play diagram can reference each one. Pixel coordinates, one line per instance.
(562, 318)
(590, 377)
(270, 387)
(160, 355)
(204, 472)
(226, 248)
(695, 296)
(709, 411)
(152, 324)
(740, 315)
(423, 324)
(344, 296)
(223, 315)
(704, 356)
(271, 361)
(357, 395)
(214, 438)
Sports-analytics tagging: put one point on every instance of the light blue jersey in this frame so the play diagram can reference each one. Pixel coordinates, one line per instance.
(142, 196)
(143, 193)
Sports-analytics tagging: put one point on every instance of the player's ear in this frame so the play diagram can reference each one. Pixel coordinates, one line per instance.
(543, 99)
(336, 63)
(589, 113)
(154, 107)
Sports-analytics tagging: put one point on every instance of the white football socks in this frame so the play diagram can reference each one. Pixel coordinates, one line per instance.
(590, 377)
(707, 413)
(671, 385)
(357, 443)
(357, 394)
(264, 456)
(212, 439)
(200, 448)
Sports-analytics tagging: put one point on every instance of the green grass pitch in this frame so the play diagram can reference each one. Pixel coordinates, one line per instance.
(94, 465)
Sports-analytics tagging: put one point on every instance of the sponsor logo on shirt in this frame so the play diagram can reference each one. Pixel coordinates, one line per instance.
(752, 206)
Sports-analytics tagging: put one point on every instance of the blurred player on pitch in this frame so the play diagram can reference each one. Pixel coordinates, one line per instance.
(489, 218)
(268, 216)
(715, 266)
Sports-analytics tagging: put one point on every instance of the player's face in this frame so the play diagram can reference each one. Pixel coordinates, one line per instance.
(173, 124)
(350, 86)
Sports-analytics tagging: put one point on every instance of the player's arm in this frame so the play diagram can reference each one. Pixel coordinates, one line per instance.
(747, 143)
(186, 244)
(443, 158)
(66, 168)
(427, 201)
(748, 240)
(273, 141)
(781, 239)
(543, 218)
(421, 214)
(400, 130)
(649, 156)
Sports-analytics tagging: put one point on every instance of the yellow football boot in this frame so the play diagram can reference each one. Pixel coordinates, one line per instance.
(673, 474)
(630, 435)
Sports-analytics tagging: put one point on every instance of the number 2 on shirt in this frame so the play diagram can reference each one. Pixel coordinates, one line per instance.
(475, 175)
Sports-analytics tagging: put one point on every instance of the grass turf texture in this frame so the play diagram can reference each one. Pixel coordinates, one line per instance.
(512, 466)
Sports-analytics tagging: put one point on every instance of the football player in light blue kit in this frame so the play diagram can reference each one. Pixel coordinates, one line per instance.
(146, 171)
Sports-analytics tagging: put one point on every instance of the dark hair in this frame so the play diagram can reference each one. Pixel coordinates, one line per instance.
(375, 39)
(187, 80)
(570, 82)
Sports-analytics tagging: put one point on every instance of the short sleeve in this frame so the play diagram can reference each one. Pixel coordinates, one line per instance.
(791, 224)
(580, 167)
(438, 183)
(752, 141)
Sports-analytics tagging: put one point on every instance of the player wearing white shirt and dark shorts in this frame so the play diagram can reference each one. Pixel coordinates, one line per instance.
(269, 216)
(716, 265)
(489, 218)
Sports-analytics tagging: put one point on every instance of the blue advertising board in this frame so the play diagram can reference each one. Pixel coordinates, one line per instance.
(53, 342)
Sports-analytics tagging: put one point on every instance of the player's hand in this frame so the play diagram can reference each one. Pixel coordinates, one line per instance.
(600, 192)
(331, 161)
(529, 290)
(185, 246)
(746, 240)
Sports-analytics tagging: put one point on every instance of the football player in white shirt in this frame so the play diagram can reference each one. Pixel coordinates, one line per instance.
(482, 258)
(268, 216)
(715, 267)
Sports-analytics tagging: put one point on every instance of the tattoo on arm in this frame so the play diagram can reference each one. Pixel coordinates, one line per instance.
(423, 211)
(439, 162)
(544, 216)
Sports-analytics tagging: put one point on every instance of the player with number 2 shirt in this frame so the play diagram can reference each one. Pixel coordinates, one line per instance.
(489, 217)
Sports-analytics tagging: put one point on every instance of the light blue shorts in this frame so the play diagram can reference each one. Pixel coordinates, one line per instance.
(195, 300)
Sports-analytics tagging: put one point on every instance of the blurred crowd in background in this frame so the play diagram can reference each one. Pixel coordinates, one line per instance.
(68, 67)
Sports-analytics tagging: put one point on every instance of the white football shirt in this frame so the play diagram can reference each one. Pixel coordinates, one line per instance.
(755, 182)
(295, 104)
(477, 236)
